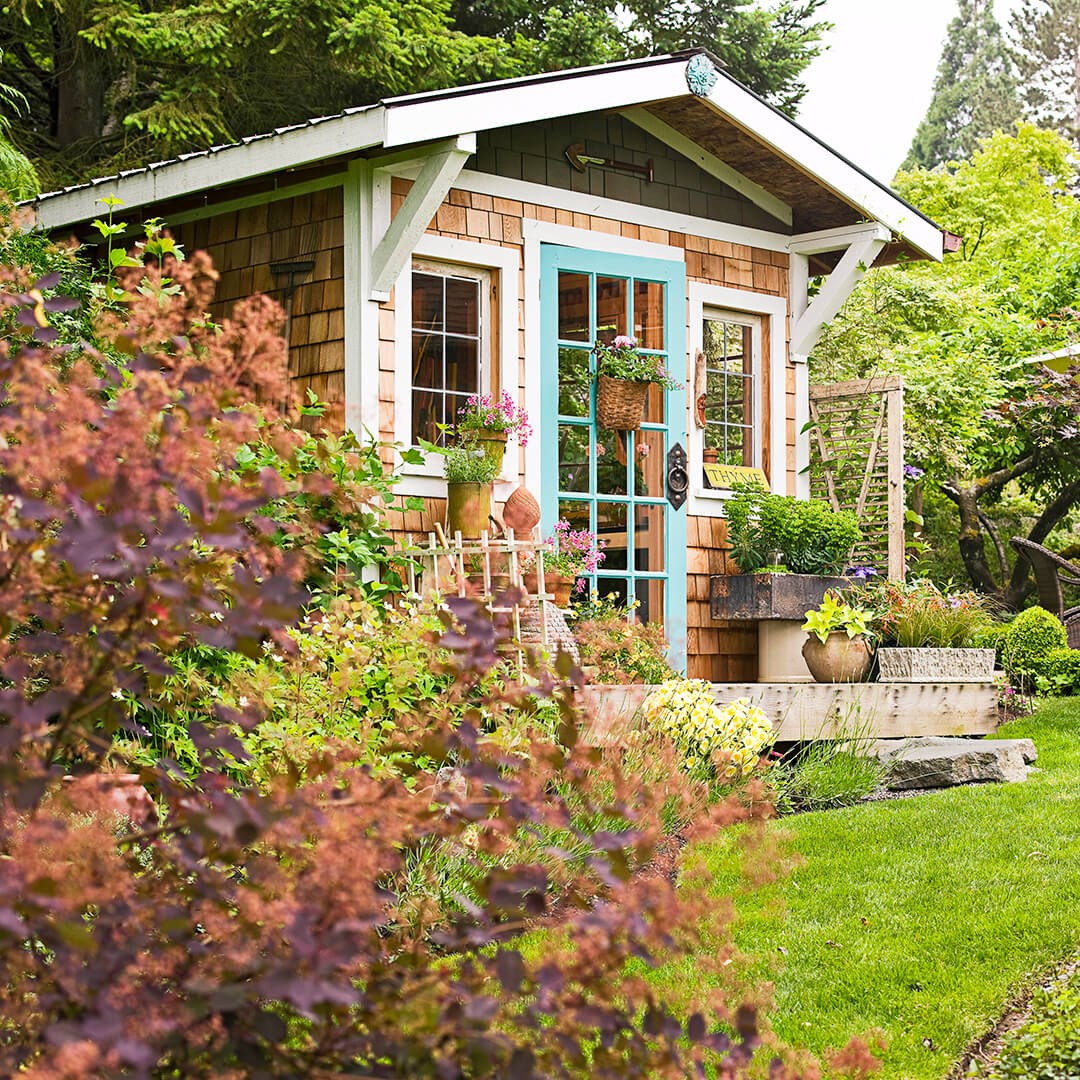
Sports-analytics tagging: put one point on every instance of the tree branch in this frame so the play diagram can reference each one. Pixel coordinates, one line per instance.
(999, 547)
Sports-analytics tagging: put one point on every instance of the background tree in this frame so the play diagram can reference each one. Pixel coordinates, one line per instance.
(997, 436)
(111, 83)
(1046, 35)
(974, 92)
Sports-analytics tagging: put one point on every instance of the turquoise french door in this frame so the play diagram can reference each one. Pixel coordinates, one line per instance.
(616, 483)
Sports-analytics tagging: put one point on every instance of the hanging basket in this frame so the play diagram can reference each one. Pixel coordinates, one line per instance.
(620, 405)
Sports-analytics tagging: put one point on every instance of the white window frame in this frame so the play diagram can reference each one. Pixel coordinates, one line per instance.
(747, 309)
(499, 339)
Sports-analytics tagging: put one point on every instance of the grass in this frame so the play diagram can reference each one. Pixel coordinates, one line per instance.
(920, 917)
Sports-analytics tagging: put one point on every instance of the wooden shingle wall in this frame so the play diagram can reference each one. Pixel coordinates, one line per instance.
(245, 243)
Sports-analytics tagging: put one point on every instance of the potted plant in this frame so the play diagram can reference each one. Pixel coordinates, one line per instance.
(623, 377)
(791, 553)
(470, 475)
(927, 634)
(566, 556)
(837, 648)
(489, 423)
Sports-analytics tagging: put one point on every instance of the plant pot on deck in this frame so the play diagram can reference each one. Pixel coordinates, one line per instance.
(838, 658)
(559, 585)
(935, 665)
(468, 507)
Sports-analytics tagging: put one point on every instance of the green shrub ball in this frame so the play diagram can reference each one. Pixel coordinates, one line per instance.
(1030, 639)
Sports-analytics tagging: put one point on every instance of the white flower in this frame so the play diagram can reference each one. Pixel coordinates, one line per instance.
(118, 694)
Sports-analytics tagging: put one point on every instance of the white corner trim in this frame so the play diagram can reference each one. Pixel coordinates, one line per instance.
(427, 479)
(361, 313)
(826, 166)
(437, 175)
(704, 502)
(709, 163)
(583, 203)
(817, 243)
(858, 258)
(802, 438)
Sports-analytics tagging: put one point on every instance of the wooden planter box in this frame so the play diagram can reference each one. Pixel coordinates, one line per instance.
(769, 596)
(935, 665)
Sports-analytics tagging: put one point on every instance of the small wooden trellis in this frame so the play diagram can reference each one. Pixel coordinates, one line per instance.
(487, 568)
(857, 462)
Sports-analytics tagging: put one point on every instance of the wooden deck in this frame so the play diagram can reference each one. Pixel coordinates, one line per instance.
(802, 711)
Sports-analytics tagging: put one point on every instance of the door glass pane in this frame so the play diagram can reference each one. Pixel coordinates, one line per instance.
(574, 307)
(649, 314)
(611, 529)
(649, 594)
(575, 382)
(649, 463)
(611, 304)
(574, 447)
(575, 511)
(611, 461)
(616, 590)
(654, 404)
(649, 538)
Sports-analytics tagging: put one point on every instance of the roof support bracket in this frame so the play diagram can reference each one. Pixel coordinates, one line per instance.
(864, 244)
(440, 169)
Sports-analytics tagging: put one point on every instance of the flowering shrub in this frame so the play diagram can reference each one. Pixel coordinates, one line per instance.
(728, 738)
(572, 552)
(618, 650)
(622, 360)
(484, 414)
(918, 614)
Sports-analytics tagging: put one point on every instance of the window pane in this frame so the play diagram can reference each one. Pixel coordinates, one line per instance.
(650, 597)
(649, 537)
(427, 360)
(649, 314)
(617, 590)
(427, 302)
(729, 391)
(574, 307)
(611, 461)
(574, 451)
(611, 528)
(576, 512)
(611, 303)
(462, 306)
(575, 382)
(649, 463)
(462, 365)
(426, 414)
(654, 404)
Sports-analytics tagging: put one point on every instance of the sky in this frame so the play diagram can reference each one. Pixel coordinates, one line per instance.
(869, 90)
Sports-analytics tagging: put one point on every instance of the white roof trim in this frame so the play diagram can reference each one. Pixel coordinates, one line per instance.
(790, 141)
(438, 115)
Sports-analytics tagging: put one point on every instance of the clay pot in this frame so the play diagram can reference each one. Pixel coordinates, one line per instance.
(560, 585)
(838, 658)
(710, 455)
(468, 507)
(493, 443)
(521, 511)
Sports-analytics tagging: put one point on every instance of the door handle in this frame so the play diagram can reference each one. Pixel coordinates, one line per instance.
(678, 479)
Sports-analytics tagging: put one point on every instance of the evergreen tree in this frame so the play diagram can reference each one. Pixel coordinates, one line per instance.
(974, 92)
(1046, 36)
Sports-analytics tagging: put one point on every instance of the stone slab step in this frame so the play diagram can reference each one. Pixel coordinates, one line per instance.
(936, 762)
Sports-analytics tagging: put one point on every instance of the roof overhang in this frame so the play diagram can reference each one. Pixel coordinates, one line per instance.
(657, 83)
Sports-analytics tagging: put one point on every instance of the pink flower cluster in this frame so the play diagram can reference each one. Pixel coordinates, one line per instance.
(573, 551)
(483, 413)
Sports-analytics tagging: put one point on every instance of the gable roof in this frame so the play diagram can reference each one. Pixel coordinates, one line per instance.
(688, 94)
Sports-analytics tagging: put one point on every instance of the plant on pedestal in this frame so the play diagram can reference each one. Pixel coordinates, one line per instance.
(838, 648)
(470, 477)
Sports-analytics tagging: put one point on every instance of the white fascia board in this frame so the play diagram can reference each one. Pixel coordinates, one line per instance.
(709, 163)
(522, 103)
(257, 157)
(818, 243)
(789, 141)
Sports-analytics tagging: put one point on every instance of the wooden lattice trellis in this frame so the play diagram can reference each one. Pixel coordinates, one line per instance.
(857, 462)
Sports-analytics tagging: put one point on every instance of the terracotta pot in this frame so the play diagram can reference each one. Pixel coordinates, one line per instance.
(560, 585)
(838, 658)
(468, 507)
(710, 456)
(493, 443)
(620, 405)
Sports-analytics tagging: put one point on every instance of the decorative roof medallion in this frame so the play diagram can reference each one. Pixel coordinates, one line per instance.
(700, 75)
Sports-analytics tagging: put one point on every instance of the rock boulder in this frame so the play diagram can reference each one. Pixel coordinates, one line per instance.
(944, 762)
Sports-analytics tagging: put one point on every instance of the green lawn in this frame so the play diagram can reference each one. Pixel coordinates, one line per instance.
(918, 917)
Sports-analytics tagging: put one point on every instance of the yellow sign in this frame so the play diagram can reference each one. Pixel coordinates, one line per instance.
(726, 476)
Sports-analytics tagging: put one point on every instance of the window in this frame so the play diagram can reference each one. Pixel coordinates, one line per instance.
(731, 390)
(449, 346)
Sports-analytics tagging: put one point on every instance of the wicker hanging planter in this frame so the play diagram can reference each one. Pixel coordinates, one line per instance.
(620, 405)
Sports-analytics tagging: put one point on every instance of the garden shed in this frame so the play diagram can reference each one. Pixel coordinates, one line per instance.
(482, 239)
